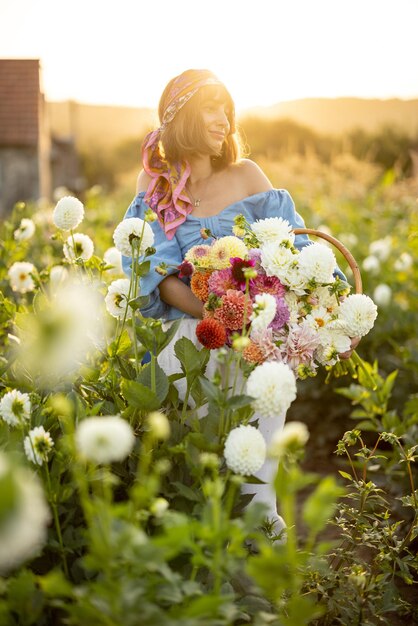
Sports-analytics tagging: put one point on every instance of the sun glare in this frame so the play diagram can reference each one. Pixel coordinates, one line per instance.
(265, 52)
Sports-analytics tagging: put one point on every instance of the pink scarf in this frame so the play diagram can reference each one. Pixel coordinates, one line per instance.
(166, 192)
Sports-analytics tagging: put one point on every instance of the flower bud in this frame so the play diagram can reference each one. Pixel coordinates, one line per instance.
(160, 269)
(159, 425)
(205, 233)
(159, 507)
(240, 343)
(150, 216)
(209, 460)
(238, 231)
(249, 272)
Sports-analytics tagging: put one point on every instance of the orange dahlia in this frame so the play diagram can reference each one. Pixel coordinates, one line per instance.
(235, 305)
(253, 353)
(211, 333)
(199, 284)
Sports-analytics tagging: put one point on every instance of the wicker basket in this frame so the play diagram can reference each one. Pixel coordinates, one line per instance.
(346, 253)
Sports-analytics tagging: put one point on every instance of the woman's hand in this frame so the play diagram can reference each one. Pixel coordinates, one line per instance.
(354, 343)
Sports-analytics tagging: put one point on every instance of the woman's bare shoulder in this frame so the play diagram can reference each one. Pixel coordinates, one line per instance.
(143, 181)
(255, 179)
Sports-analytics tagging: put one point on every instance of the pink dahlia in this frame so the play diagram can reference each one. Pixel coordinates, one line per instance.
(265, 341)
(302, 341)
(220, 281)
(266, 284)
(235, 306)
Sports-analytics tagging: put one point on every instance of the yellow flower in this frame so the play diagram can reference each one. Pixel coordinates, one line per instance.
(226, 248)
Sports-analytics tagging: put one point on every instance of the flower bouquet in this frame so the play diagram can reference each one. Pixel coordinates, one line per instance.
(273, 302)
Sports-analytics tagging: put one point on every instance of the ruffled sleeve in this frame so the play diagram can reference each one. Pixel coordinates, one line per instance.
(280, 204)
(166, 252)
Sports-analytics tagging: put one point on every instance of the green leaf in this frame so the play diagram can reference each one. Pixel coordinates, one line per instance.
(142, 268)
(389, 382)
(145, 336)
(186, 492)
(55, 584)
(321, 504)
(127, 370)
(139, 396)
(345, 475)
(238, 402)
(168, 335)
(191, 359)
(161, 380)
(139, 303)
(212, 392)
(124, 344)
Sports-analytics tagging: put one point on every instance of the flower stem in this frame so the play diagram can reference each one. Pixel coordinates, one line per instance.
(52, 501)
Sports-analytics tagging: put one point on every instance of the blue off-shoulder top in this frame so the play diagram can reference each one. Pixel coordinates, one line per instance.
(272, 203)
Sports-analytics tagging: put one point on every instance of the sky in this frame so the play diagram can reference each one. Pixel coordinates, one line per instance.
(265, 51)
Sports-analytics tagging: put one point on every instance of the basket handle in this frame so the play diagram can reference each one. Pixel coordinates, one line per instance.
(346, 253)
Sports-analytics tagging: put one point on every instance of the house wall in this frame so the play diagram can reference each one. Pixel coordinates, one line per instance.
(44, 150)
(19, 176)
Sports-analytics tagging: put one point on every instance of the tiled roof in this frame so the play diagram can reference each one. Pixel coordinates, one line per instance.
(20, 100)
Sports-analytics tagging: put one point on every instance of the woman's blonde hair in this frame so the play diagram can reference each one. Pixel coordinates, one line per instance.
(186, 135)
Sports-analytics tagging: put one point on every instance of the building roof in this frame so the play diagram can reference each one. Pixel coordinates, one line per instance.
(20, 100)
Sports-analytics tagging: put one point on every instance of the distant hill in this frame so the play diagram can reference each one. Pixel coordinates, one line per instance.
(339, 115)
(98, 126)
(106, 126)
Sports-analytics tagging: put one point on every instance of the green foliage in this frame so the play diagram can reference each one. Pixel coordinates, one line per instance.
(163, 536)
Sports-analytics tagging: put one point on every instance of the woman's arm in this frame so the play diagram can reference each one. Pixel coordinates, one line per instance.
(175, 293)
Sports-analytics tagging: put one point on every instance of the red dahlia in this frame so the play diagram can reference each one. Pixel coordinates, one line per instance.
(211, 333)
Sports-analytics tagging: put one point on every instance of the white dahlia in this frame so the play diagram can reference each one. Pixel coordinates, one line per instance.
(113, 257)
(273, 387)
(117, 297)
(58, 274)
(276, 260)
(104, 439)
(404, 262)
(130, 231)
(273, 230)
(292, 304)
(382, 295)
(38, 444)
(294, 435)
(295, 280)
(332, 343)
(317, 262)
(245, 450)
(322, 296)
(68, 213)
(371, 264)
(264, 310)
(23, 528)
(20, 276)
(357, 314)
(25, 231)
(381, 248)
(15, 407)
(78, 246)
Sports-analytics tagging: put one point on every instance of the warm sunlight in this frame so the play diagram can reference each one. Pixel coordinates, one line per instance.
(266, 52)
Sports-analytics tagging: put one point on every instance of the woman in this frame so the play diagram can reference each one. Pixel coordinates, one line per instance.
(194, 178)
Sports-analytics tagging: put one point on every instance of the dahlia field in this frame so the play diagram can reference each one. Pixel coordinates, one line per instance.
(120, 496)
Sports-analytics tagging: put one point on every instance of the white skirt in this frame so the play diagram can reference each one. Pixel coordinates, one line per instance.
(267, 425)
